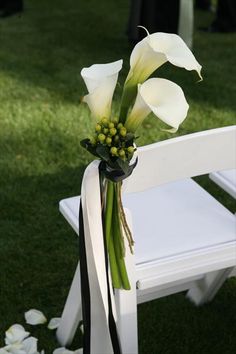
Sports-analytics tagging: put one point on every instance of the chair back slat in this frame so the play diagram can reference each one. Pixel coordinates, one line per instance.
(182, 157)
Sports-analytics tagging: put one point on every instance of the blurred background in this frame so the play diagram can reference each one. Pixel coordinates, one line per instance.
(43, 47)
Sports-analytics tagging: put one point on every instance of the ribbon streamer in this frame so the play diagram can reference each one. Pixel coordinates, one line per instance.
(87, 287)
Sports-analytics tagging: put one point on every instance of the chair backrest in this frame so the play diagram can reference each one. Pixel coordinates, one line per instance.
(185, 156)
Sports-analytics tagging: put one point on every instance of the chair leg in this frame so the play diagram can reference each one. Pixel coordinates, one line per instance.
(126, 305)
(72, 313)
(205, 289)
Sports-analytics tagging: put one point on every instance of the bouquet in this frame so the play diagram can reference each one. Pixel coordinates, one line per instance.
(113, 138)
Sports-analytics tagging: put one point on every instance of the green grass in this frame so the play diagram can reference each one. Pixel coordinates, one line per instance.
(41, 123)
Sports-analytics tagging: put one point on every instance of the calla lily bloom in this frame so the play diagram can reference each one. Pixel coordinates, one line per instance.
(35, 317)
(151, 53)
(162, 97)
(101, 80)
(15, 334)
(155, 50)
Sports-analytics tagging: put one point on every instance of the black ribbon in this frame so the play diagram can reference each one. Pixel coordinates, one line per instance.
(85, 290)
(115, 176)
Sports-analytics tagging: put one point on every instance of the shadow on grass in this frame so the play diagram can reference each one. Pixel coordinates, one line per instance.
(49, 44)
(38, 257)
(38, 250)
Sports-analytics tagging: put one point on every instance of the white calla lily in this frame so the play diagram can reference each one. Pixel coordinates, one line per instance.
(155, 50)
(35, 317)
(162, 97)
(15, 334)
(148, 55)
(54, 323)
(101, 80)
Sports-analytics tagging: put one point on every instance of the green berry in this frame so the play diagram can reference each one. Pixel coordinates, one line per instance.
(122, 152)
(105, 130)
(130, 149)
(123, 132)
(115, 120)
(113, 151)
(104, 121)
(111, 125)
(108, 140)
(120, 125)
(101, 138)
(98, 128)
(113, 131)
(116, 138)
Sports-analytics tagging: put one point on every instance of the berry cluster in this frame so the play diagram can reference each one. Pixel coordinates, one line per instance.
(114, 135)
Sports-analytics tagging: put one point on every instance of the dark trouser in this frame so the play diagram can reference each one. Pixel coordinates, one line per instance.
(225, 15)
(203, 4)
(155, 15)
(11, 6)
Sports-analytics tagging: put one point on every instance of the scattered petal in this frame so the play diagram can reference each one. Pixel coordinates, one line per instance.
(79, 351)
(35, 317)
(62, 350)
(3, 351)
(15, 334)
(30, 345)
(54, 323)
(16, 348)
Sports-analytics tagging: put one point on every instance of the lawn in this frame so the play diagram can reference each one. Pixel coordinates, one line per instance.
(42, 121)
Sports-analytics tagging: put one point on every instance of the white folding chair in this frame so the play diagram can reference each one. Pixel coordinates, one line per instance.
(184, 238)
(226, 180)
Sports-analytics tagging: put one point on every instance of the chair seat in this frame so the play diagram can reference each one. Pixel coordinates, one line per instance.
(170, 219)
(176, 218)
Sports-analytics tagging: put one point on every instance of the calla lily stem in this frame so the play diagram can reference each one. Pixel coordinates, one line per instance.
(128, 96)
(114, 238)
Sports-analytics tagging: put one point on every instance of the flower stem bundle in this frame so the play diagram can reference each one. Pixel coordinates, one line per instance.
(113, 139)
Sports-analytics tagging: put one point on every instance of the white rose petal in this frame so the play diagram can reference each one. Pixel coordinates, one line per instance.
(62, 350)
(15, 334)
(30, 345)
(79, 351)
(3, 351)
(54, 323)
(35, 317)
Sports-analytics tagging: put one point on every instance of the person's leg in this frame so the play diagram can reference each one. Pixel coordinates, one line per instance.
(10, 7)
(225, 16)
(203, 4)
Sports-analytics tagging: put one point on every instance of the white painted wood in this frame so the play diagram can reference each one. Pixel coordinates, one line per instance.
(205, 289)
(226, 180)
(182, 234)
(72, 313)
(185, 156)
(126, 305)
